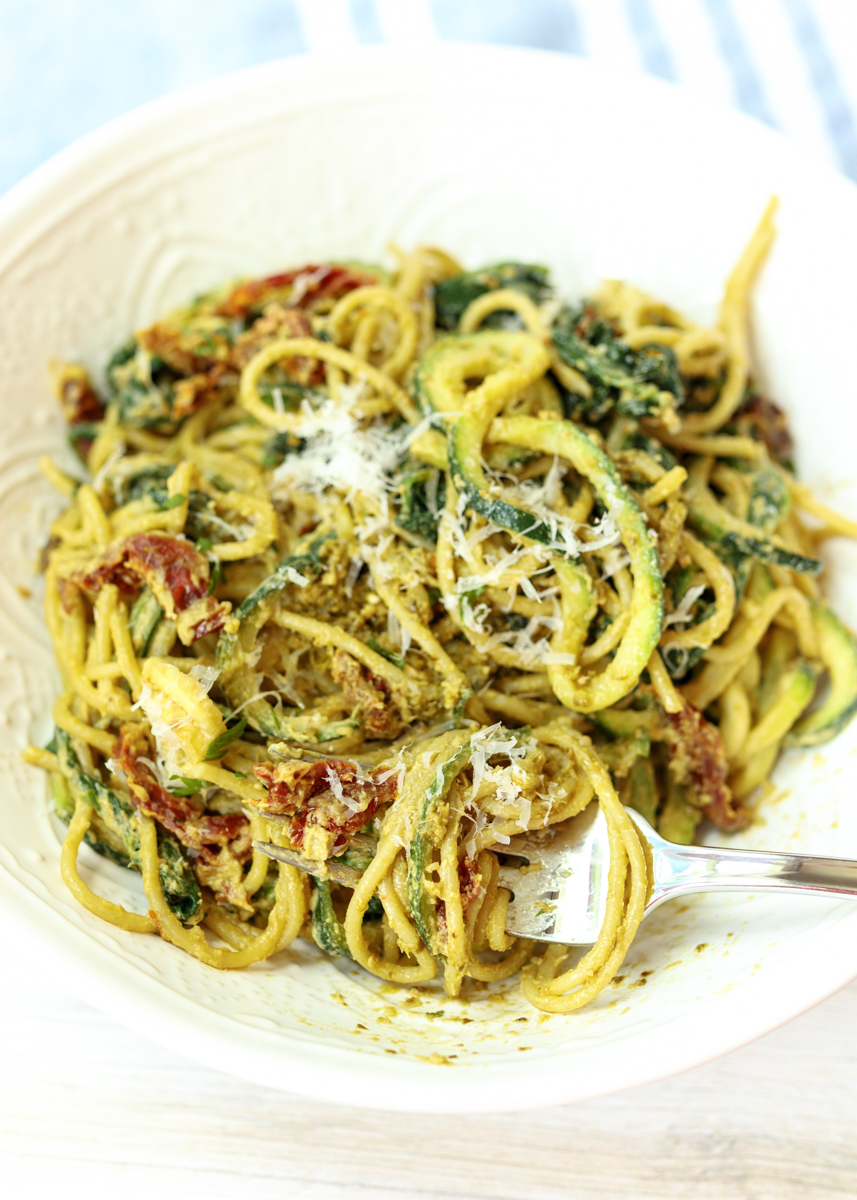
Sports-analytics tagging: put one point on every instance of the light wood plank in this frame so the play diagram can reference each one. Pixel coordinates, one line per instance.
(85, 1102)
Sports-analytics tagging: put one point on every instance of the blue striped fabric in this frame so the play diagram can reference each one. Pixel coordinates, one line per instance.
(548, 24)
(654, 50)
(838, 113)
(365, 20)
(746, 84)
(68, 65)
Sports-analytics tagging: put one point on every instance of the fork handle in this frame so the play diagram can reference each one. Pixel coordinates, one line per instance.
(679, 870)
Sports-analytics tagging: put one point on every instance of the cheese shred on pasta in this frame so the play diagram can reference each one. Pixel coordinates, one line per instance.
(386, 568)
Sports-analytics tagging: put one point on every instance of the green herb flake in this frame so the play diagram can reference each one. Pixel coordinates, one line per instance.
(189, 787)
(216, 576)
(217, 748)
(396, 659)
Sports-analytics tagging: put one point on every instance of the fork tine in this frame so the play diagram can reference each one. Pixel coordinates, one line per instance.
(337, 871)
(561, 895)
(291, 749)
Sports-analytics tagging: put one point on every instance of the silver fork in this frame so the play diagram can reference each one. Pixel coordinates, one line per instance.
(559, 886)
(560, 889)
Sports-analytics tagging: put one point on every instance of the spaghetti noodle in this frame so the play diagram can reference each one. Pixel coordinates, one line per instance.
(385, 569)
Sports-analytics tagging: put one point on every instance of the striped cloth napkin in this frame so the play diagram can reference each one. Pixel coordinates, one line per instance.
(66, 66)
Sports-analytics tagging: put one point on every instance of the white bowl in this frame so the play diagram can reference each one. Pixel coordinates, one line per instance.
(492, 153)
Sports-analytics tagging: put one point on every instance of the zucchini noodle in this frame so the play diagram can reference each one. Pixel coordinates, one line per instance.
(381, 570)
(114, 914)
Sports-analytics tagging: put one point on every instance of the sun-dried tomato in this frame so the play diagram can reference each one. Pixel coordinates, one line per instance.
(308, 793)
(313, 282)
(698, 757)
(176, 572)
(205, 833)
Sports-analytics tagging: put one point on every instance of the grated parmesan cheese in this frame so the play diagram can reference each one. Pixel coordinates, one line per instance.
(204, 675)
(250, 699)
(497, 569)
(480, 820)
(605, 531)
(614, 561)
(397, 633)
(526, 812)
(303, 282)
(555, 792)
(502, 838)
(540, 499)
(354, 568)
(169, 752)
(473, 618)
(353, 806)
(532, 653)
(113, 767)
(335, 784)
(102, 474)
(341, 453)
(507, 781)
(683, 615)
(398, 771)
(294, 576)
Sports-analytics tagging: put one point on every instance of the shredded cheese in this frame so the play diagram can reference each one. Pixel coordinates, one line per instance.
(683, 614)
(507, 781)
(204, 675)
(522, 641)
(397, 633)
(294, 576)
(169, 752)
(338, 452)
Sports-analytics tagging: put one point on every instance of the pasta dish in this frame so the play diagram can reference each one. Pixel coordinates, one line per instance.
(382, 568)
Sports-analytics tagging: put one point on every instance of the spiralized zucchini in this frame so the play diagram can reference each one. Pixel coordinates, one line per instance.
(385, 569)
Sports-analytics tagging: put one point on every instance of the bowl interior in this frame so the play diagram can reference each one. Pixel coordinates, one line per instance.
(338, 158)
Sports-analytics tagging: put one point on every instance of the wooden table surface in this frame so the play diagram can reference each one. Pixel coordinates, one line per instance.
(88, 1108)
